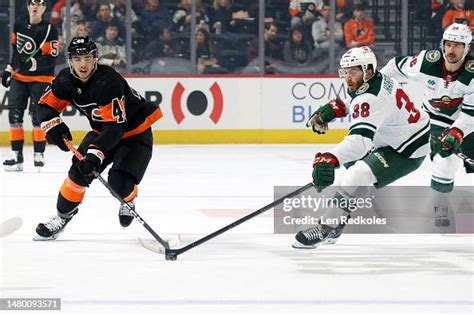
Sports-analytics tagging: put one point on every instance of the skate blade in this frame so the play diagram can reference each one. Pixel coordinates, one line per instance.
(330, 241)
(39, 238)
(9, 226)
(154, 246)
(298, 245)
(13, 168)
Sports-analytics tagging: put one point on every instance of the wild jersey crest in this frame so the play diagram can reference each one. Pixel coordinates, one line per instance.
(433, 55)
(25, 44)
(470, 66)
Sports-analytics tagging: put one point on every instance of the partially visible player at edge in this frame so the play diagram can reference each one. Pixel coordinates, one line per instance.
(448, 78)
(121, 121)
(35, 48)
(388, 138)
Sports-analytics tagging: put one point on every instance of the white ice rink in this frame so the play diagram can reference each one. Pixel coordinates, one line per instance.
(96, 266)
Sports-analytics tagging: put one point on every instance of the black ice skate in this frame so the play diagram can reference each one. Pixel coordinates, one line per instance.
(38, 160)
(334, 234)
(125, 217)
(50, 230)
(15, 163)
(441, 217)
(312, 237)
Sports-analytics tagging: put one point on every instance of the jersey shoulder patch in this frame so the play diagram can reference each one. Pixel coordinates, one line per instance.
(373, 86)
(467, 75)
(432, 62)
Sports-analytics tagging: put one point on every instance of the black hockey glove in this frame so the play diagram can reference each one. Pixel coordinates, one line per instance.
(6, 78)
(91, 161)
(55, 130)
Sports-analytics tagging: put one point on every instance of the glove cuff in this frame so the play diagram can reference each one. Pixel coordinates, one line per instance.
(48, 125)
(95, 151)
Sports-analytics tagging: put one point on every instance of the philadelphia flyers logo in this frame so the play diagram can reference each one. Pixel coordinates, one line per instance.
(25, 44)
(197, 103)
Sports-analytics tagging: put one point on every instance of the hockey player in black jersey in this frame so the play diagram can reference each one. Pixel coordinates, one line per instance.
(121, 122)
(35, 48)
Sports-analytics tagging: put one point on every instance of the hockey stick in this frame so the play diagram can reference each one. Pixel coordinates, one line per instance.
(96, 174)
(9, 226)
(172, 254)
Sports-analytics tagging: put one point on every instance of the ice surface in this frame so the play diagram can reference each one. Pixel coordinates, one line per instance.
(96, 266)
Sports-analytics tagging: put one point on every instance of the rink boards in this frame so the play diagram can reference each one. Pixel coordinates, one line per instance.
(223, 109)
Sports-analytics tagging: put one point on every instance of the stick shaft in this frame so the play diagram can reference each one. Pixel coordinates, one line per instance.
(96, 174)
(240, 221)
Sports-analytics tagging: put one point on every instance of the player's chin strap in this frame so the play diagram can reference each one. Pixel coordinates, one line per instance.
(131, 209)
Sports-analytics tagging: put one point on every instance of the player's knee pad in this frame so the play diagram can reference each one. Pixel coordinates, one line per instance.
(15, 116)
(124, 184)
(358, 175)
(34, 119)
(444, 171)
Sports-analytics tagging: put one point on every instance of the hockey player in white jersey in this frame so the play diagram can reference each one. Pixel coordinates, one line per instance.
(448, 97)
(388, 137)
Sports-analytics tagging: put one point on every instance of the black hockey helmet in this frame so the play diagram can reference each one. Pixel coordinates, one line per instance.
(41, 2)
(82, 46)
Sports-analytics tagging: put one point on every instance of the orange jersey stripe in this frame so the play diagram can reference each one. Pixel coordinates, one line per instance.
(47, 49)
(72, 191)
(33, 78)
(38, 135)
(132, 195)
(150, 120)
(13, 38)
(51, 100)
(17, 133)
(106, 113)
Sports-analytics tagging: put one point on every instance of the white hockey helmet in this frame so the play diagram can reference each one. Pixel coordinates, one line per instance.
(359, 56)
(460, 33)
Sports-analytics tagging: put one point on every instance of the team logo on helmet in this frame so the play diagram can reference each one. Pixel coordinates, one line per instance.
(470, 66)
(364, 87)
(433, 55)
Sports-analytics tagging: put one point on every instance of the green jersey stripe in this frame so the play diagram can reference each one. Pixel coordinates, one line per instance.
(413, 137)
(363, 125)
(415, 145)
(364, 132)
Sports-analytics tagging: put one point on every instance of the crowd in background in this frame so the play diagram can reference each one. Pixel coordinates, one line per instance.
(296, 31)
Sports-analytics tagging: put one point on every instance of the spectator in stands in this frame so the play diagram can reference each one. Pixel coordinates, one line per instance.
(90, 10)
(119, 12)
(76, 16)
(359, 31)
(182, 16)
(272, 49)
(296, 49)
(56, 12)
(221, 17)
(111, 47)
(321, 30)
(205, 51)
(304, 11)
(153, 19)
(165, 49)
(459, 14)
(81, 30)
(104, 17)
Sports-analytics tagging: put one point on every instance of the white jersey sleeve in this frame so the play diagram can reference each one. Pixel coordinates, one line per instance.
(465, 120)
(404, 67)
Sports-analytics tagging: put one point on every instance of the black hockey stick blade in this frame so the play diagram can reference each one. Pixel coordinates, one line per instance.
(172, 254)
